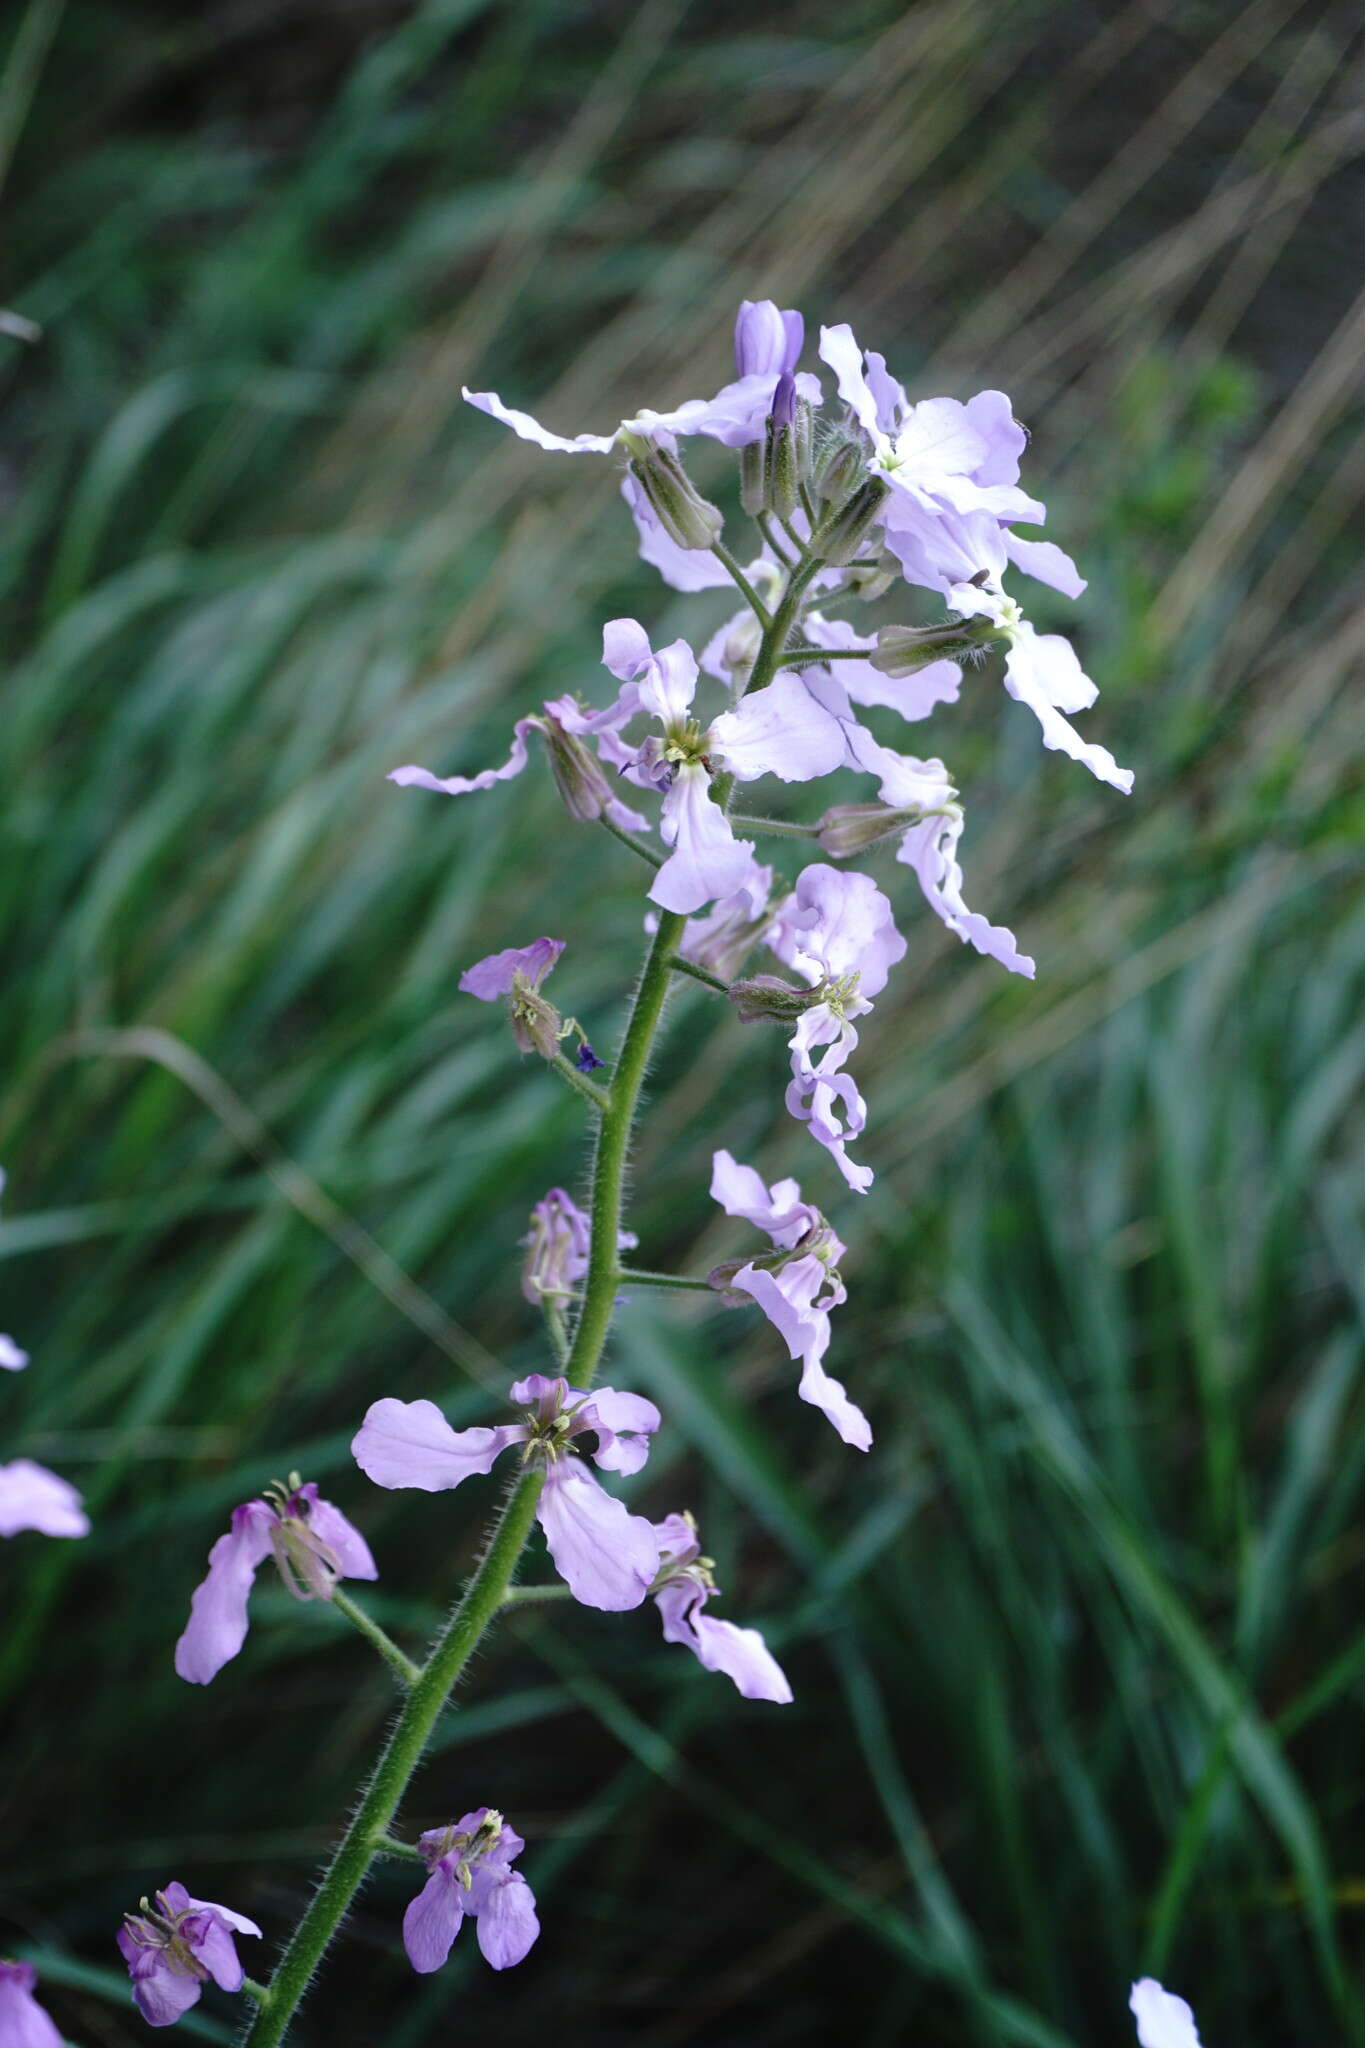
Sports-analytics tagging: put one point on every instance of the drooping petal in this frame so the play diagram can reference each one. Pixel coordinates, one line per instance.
(1041, 670)
(707, 861)
(433, 1918)
(787, 1300)
(342, 1538)
(209, 1939)
(829, 1396)
(217, 1625)
(530, 429)
(780, 731)
(606, 1556)
(31, 1497)
(492, 976)
(1163, 2020)
(12, 1359)
(238, 1922)
(23, 2023)
(822, 1097)
(740, 1654)
(410, 1444)
(1047, 563)
(625, 1422)
(462, 785)
(930, 849)
(506, 1921)
(160, 1993)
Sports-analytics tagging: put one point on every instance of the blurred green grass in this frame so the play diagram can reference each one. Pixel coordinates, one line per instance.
(1077, 1651)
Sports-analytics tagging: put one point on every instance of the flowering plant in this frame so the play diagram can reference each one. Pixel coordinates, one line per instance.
(879, 494)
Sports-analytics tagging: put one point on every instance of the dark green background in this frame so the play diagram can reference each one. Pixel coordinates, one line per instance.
(1078, 1650)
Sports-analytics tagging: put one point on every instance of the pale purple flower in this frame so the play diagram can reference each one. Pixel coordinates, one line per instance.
(722, 938)
(470, 1864)
(31, 1497)
(313, 1545)
(12, 1359)
(606, 1556)
(780, 731)
(557, 1247)
(684, 1584)
(796, 1285)
(736, 415)
(564, 727)
(1163, 2020)
(837, 930)
(517, 973)
(175, 1947)
(23, 2023)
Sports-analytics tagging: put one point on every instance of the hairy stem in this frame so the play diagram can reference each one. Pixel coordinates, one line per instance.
(365, 1837)
(581, 1085)
(701, 974)
(634, 1276)
(781, 828)
(656, 860)
(404, 1668)
(613, 1145)
(750, 595)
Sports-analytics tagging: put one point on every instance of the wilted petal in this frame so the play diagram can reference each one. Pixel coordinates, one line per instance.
(708, 862)
(780, 731)
(23, 2023)
(12, 1359)
(530, 429)
(1163, 2020)
(160, 1993)
(462, 785)
(410, 1444)
(433, 1918)
(1048, 563)
(342, 1538)
(506, 1924)
(31, 1497)
(605, 1555)
(217, 1625)
(492, 976)
(740, 1654)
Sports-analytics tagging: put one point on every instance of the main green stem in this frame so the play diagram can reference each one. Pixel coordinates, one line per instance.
(488, 1589)
(613, 1147)
(400, 1757)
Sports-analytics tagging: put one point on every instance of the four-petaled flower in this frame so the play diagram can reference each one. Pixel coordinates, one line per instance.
(1163, 2020)
(23, 2023)
(557, 1247)
(796, 1285)
(681, 1590)
(837, 930)
(173, 1948)
(606, 1556)
(313, 1544)
(471, 1872)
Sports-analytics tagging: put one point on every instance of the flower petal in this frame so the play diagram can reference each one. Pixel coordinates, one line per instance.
(627, 1421)
(778, 1210)
(217, 1625)
(31, 1497)
(462, 785)
(739, 1653)
(12, 1359)
(492, 976)
(507, 1925)
(1041, 670)
(606, 1556)
(410, 1444)
(530, 429)
(687, 569)
(708, 862)
(23, 2023)
(931, 850)
(830, 1397)
(341, 1537)
(1047, 563)
(780, 731)
(839, 349)
(1163, 2020)
(432, 1919)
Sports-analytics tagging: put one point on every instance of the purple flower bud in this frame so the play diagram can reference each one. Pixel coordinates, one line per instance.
(840, 470)
(585, 1059)
(173, 1948)
(903, 649)
(470, 1864)
(23, 2023)
(767, 340)
(783, 414)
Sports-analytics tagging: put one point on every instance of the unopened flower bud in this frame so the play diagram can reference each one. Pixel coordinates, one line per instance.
(689, 520)
(767, 999)
(903, 649)
(850, 829)
(752, 461)
(874, 582)
(840, 535)
(781, 464)
(584, 789)
(839, 470)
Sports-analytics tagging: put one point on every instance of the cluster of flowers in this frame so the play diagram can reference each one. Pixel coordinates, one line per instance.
(31, 1497)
